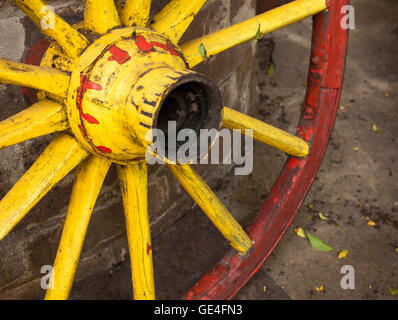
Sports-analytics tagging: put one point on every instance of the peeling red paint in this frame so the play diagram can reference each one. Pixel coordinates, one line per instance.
(118, 55)
(104, 149)
(147, 47)
(148, 248)
(93, 86)
(143, 44)
(90, 119)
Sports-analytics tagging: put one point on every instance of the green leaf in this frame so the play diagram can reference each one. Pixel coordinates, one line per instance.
(258, 35)
(317, 243)
(202, 50)
(393, 291)
(271, 69)
(336, 224)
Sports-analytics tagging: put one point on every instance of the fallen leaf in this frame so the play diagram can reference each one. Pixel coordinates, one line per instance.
(342, 108)
(300, 232)
(343, 254)
(393, 291)
(376, 129)
(387, 94)
(318, 244)
(202, 50)
(321, 288)
(265, 288)
(370, 286)
(371, 223)
(320, 214)
(356, 149)
(396, 249)
(310, 206)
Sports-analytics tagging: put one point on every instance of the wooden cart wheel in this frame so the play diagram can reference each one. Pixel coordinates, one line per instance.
(106, 83)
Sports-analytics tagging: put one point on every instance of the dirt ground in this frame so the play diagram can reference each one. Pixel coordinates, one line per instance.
(357, 182)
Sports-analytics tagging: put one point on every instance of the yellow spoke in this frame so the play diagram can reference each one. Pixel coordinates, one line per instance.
(100, 16)
(52, 25)
(42, 118)
(198, 50)
(176, 17)
(90, 176)
(133, 181)
(57, 160)
(212, 206)
(134, 12)
(42, 78)
(266, 133)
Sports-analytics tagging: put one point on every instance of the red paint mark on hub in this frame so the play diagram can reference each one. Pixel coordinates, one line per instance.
(143, 44)
(94, 86)
(148, 248)
(104, 149)
(118, 55)
(147, 47)
(90, 119)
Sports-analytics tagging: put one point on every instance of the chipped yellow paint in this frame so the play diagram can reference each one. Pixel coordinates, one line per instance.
(133, 181)
(54, 57)
(71, 40)
(100, 16)
(212, 207)
(90, 175)
(134, 12)
(176, 17)
(56, 161)
(42, 78)
(248, 30)
(266, 133)
(42, 118)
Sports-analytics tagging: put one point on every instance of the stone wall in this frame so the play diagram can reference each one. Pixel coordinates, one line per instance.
(33, 243)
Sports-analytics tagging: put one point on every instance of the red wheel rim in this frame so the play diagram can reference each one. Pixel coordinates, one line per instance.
(325, 81)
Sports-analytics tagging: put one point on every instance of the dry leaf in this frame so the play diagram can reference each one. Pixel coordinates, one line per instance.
(371, 223)
(393, 291)
(320, 214)
(300, 232)
(376, 129)
(343, 254)
(321, 288)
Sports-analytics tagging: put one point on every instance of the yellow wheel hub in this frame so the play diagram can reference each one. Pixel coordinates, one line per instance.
(128, 82)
